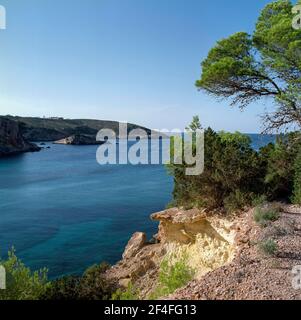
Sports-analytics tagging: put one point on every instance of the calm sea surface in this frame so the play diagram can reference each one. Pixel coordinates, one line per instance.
(60, 209)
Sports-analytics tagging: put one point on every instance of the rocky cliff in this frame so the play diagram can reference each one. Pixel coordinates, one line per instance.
(207, 243)
(233, 257)
(11, 139)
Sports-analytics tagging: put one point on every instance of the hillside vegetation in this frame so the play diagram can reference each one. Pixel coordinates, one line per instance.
(51, 129)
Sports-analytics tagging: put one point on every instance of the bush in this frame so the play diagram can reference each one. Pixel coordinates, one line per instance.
(66, 288)
(236, 201)
(21, 282)
(129, 294)
(172, 276)
(233, 174)
(264, 215)
(268, 247)
(280, 166)
(94, 285)
(259, 200)
(91, 286)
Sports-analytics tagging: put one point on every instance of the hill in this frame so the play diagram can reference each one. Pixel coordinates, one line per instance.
(52, 129)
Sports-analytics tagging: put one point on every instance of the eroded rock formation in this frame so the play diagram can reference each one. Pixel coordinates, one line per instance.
(205, 241)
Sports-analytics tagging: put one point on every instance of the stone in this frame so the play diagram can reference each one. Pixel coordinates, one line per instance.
(135, 244)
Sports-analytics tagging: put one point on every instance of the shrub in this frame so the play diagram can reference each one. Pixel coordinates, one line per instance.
(129, 294)
(280, 165)
(259, 200)
(91, 286)
(66, 288)
(236, 201)
(233, 174)
(263, 215)
(268, 247)
(172, 276)
(21, 282)
(94, 285)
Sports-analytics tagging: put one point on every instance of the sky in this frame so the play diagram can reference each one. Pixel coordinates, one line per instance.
(124, 60)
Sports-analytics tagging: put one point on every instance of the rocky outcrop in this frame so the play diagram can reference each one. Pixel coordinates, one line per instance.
(136, 243)
(11, 139)
(226, 254)
(205, 241)
(79, 139)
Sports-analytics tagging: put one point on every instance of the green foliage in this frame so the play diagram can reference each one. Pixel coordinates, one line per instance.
(236, 176)
(233, 174)
(280, 160)
(21, 283)
(66, 288)
(172, 276)
(235, 138)
(264, 215)
(130, 294)
(267, 64)
(237, 200)
(91, 286)
(296, 198)
(268, 247)
(259, 200)
(194, 125)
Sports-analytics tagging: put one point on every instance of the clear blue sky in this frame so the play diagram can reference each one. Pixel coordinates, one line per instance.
(127, 60)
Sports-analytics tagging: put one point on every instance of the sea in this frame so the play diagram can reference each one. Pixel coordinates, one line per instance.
(61, 210)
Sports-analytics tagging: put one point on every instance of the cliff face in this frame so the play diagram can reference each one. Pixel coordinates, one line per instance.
(206, 243)
(11, 139)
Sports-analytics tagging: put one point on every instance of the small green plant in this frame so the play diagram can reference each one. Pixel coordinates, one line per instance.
(129, 294)
(263, 216)
(268, 247)
(236, 201)
(21, 282)
(172, 276)
(259, 200)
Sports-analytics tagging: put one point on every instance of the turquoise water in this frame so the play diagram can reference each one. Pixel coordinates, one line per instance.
(63, 211)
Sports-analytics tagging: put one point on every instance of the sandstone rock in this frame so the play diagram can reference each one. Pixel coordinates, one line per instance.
(135, 244)
(205, 242)
(11, 139)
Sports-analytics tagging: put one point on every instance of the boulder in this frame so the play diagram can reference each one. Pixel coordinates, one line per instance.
(135, 244)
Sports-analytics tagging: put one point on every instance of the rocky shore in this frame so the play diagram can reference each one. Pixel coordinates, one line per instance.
(224, 251)
(12, 141)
